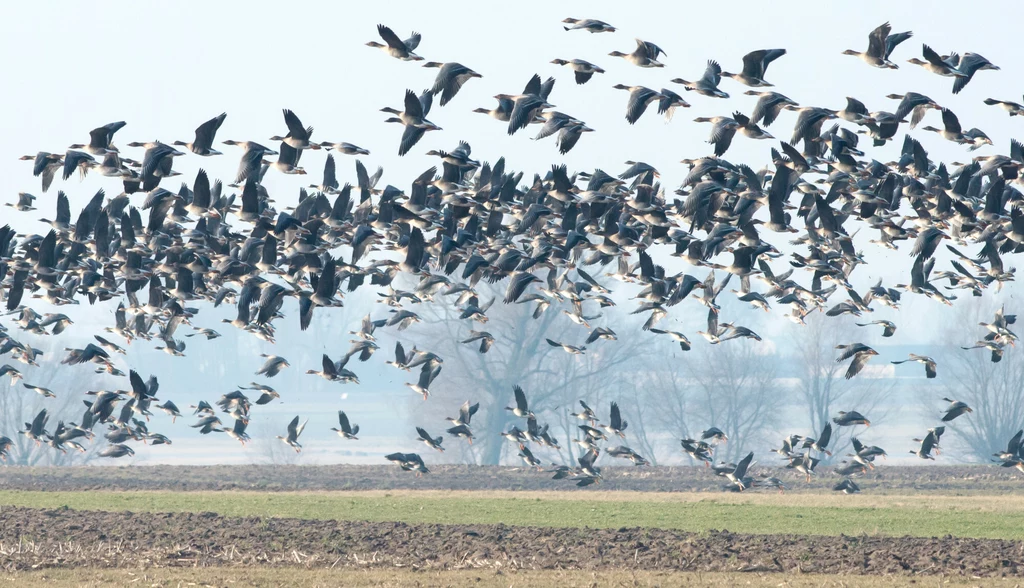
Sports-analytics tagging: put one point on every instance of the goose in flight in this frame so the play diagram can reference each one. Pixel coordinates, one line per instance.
(639, 98)
(888, 327)
(970, 64)
(645, 55)
(409, 462)
(522, 408)
(1014, 108)
(346, 430)
(937, 65)
(205, 135)
(929, 364)
(294, 430)
(860, 353)
(955, 409)
(396, 47)
(616, 425)
(588, 24)
(707, 85)
(413, 118)
(850, 418)
(450, 79)
(738, 475)
(431, 442)
(880, 46)
(755, 64)
(582, 70)
(101, 139)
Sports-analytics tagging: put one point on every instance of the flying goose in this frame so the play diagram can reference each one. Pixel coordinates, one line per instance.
(755, 64)
(294, 430)
(880, 46)
(396, 47)
(347, 431)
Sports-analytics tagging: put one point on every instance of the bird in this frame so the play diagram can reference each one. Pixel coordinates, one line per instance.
(639, 98)
(846, 486)
(428, 373)
(101, 139)
(645, 55)
(466, 412)
(570, 349)
(395, 47)
(950, 128)
(850, 418)
(582, 70)
(859, 352)
(346, 430)
(616, 425)
(927, 444)
(521, 408)
(821, 443)
(888, 327)
(298, 135)
(272, 366)
(755, 64)
(936, 64)
(955, 409)
(413, 118)
(880, 46)
(968, 65)
(1013, 108)
(486, 340)
(206, 133)
(410, 462)
(738, 475)
(450, 78)
(294, 430)
(929, 364)
(707, 85)
(588, 24)
(527, 105)
(431, 442)
(715, 434)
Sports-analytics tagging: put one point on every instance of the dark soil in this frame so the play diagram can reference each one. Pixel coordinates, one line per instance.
(33, 538)
(889, 479)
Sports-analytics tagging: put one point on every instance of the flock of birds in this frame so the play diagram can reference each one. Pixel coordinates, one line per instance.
(207, 245)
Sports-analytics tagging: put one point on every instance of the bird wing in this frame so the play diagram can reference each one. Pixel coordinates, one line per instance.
(391, 38)
(950, 121)
(713, 74)
(413, 106)
(521, 397)
(876, 40)
(206, 132)
(410, 136)
(741, 468)
(343, 421)
(826, 435)
(858, 363)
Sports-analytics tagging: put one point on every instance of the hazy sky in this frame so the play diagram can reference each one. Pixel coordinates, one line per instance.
(165, 68)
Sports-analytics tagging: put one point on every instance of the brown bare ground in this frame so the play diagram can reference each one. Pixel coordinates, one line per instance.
(63, 538)
(884, 480)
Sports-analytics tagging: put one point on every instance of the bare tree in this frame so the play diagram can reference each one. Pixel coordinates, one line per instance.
(735, 388)
(19, 405)
(553, 379)
(667, 391)
(821, 385)
(993, 390)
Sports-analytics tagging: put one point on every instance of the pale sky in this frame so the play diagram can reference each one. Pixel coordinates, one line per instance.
(166, 68)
